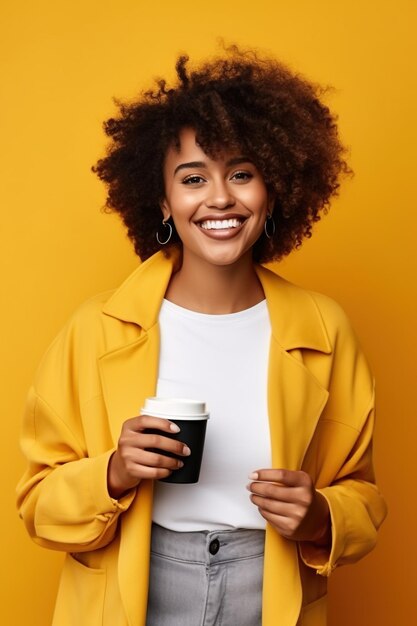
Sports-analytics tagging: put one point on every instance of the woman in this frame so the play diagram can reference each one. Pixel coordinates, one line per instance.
(227, 170)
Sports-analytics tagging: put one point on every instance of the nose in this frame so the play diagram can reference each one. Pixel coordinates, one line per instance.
(219, 196)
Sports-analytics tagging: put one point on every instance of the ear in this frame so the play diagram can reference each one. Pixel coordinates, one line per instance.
(166, 212)
(271, 202)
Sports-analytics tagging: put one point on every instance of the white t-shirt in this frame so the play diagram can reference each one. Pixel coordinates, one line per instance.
(223, 360)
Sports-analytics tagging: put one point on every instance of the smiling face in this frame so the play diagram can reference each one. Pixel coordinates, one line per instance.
(218, 206)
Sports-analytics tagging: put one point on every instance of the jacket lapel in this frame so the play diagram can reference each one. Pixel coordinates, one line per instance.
(295, 402)
(129, 376)
(129, 372)
(295, 397)
(129, 369)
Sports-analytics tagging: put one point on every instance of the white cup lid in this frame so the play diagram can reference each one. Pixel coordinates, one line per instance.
(183, 408)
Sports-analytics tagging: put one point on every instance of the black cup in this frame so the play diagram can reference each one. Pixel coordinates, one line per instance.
(191, 417)
(192, 433)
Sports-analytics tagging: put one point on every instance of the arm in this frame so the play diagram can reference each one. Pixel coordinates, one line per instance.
(339, 457)
(356, 506)
(63, 497)
(335, 524)
(337, 481)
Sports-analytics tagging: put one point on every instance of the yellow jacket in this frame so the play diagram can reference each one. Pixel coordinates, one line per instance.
(99, 371)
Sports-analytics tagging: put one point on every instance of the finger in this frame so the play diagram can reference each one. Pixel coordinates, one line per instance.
(159, 442)
(283, 509)
(284, 525)
(289, 478)
(142, 422)
(297, 495)
(153, 459)
(153, 473)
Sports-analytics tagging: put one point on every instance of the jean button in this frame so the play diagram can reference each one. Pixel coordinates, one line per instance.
(214, 546)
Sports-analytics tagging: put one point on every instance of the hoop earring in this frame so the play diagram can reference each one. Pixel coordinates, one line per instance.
(269, 226)
(163, 243)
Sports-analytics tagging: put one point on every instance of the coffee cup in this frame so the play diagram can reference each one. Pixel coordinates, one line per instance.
(191, 417)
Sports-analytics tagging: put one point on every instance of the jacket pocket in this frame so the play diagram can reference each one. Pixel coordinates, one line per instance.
(314, 613)
(80, 599)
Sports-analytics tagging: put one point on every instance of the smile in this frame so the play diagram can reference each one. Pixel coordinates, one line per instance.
(220, 224)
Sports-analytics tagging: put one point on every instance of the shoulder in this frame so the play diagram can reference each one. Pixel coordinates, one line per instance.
(303, 318)
(90, 312)
(332, 313)
(349, 365)
(78, 339)
(87, 335)
(331, 351)
(87, 320)
(330, 310)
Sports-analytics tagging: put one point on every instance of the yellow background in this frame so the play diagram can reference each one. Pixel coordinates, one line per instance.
(62, 62)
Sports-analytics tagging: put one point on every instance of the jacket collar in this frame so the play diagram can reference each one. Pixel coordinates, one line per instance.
(296, 321)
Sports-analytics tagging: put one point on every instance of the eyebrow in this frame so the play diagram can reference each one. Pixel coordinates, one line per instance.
(234, 161)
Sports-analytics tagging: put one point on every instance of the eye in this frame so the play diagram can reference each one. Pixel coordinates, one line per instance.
(242, 176)
(194, 179)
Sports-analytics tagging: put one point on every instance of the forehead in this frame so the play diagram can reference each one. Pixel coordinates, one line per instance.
(189, 150)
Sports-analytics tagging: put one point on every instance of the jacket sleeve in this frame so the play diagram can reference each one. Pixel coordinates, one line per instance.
(63, 497)
(340, 458)
(357, 509)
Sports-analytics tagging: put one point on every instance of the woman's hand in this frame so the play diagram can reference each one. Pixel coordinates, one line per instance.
(133, 459)
(287, 500)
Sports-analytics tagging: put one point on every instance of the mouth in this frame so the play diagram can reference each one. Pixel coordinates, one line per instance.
(221, 224)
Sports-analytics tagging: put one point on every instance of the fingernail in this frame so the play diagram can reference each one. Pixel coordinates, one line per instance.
(174, 428)
(253, 476)
(180, 464)
(186, 451)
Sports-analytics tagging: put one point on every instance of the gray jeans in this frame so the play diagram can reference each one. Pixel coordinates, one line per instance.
(208, 578)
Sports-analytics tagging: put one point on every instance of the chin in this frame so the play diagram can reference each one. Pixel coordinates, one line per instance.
(225, 259)
(220, 255)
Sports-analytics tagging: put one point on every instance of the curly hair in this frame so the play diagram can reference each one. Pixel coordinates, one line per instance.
(236, 102)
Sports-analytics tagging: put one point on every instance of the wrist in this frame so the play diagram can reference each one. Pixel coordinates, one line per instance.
(323, 535)
(324, 538)
(115, 486)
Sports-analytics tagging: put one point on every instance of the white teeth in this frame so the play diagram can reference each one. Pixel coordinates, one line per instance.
(220, 224)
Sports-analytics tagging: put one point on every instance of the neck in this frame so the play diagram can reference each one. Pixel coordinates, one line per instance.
(215, 289)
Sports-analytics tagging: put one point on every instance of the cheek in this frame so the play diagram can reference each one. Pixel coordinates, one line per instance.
(256, 199)
(182, 216)
(182, 204)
